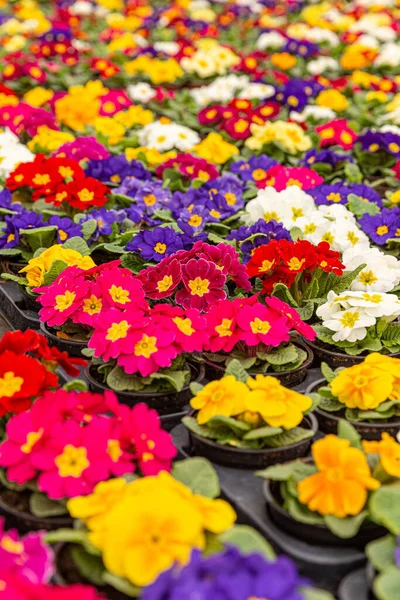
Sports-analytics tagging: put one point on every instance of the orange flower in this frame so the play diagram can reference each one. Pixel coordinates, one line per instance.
(364, 386)
(389, 453)
(283, 61)
(340, 487)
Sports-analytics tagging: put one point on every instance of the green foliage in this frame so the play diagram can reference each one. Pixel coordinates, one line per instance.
(346, 431)
(78, 244)
(237, 370)
(248, 541)
(345, 528)
(381, 552)
(41, 506)
(387, 584)
(199, 475)
(384, 507)
(327, 372)
(57, 267)
(361, 207)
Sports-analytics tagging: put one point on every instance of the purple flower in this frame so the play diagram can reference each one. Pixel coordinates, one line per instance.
(151, 196)
(229, 576)
(83, 148)
(11, 236)
(27, 557)
(114, 169)
(383, 226)
(156, 244)
(327, 156)
(296, 92)
(335, 193)
(301, 48)
(66, 228)
(245, 168)
(224, 196)
(6, 201)
(104, 220)
(264, 231)
(373, 141)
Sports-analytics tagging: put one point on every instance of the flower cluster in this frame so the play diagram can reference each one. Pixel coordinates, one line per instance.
(68, 442)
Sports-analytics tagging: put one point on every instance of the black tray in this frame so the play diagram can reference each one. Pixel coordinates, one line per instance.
(13, 308)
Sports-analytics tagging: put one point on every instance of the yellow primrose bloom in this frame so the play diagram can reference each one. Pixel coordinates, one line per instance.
(123, 42)
(76, 112)
(203, 14)
(8, 100)
(364, 386)
(17, 42)
(378, 95)
(49, 139)
(395, 197)
(38, 266)
(154, 157)
(364, 79)
(135, 115)
(38, 96)
(393, 104)
(332, 99)
(92, 509)
(108, 127)
(215, 149)
(290, 135)
(389, 453)
(278, 406)
(158, 71)
(224, 397)
(111, 4)
(283, 60)
(92, 89)
(387, 364)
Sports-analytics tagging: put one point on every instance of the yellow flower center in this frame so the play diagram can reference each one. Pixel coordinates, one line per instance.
(394, 147)
(373, 147)
(184, 325)
(376, 298)
(259, 174)
(149, 200)
(310, 228)
(258, 326)
(117, 331)
(230, 198)
(295, 264)
(215, 213)
(64, 301)
(382, 230)
(146, 346)
(85, 195)
(118, 294)
(31, 439)
(66, 172)
(360, 381)
(367, 277)
(11, 546)
(40, 179)
(353, 239)
(10, 237)
(349, 319)
(266, 265)
(224, 329)
(328, 237)
(334, 196)
(165, 283)
(62, 235)
(297, 213)
(271, 216)
(114, 450)
(160, 248)
(199, 287)
(72, 462)
(92, 305)
(195, 220)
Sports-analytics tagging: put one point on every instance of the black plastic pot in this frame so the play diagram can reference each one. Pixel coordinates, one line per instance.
(21, 518)
(337, 359)
(14, 309)
(328, 422)
(287, 378)
(30, 301)
(252, 459)
(67, 574)
(314, 534)
(354, 587)
(73, 347)
(165, 403)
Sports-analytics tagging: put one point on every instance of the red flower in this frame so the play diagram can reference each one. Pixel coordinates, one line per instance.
(264, 259)
(210, 115)
(86, 192)
(293, 318)
(298, 256)
(160, 281)
(56, 358)
(336, 132)
(22, 379)
(238, 127)
(203, 283)
(267, 111)
(329, 260)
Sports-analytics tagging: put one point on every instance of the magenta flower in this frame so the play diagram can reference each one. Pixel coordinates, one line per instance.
(260, 324)
(15, 587)
(203, 283)
(27, 557)
(292, 316)
(121, 289)
(113, 333)
(227, 258)
(189, 326)
(62, 299)
(222, 330)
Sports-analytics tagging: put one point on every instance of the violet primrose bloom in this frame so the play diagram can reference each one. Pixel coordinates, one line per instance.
(66, 228)
(265, 231)
(380, 228)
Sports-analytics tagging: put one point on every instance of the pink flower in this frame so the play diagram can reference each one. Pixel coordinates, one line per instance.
(293, 318)
(227, 258)
(121, 289)
(203, 283)
(141, 429)
(222, 330)
(161, 280)
(62, 299)
(190, 333)
(113, 333)
(73, 460)
(260, 324)
(15, 587)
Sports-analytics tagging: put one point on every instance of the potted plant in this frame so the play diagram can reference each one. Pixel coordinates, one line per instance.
(340, 496)
(65, 444)
(133, 531)
(365, 395)
(249, 422)
(259, 337)
(355, 323)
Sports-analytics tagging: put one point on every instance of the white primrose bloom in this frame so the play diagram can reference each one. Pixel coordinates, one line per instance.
(270, 39)
(335, 212)
(141, 92)
(389, 55)
(390, 129)
(12, 152)
(170, 48)
(166, 136)
(368, 40)
(318, 113)
(292, 207)
(257, 91)
(349, 325)
(330, 307)
(375, 305)
(380, 274)
(321, 36)
(222, 90)
(322, 64)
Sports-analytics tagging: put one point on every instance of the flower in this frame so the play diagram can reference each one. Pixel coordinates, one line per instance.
(289, 135)
(16, 587)
(389, 453)
(223, 398)
(293, 318)
(278, 406)
(382, 226)
(260, 324)
(215, 149)
(362, 386)
(85, 193)
(37, 267)
(203, 285)
(66, 228)
(340, 486)
(156, 244)
(350, 324)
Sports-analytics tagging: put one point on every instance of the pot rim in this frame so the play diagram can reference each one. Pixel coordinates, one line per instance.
(61, 520)
(51, 335)
(358, 358)
(254, 451)
(200, 376)
(306, 364)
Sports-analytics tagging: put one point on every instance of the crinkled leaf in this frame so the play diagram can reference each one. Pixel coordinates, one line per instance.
(282, 292)
(312, 290)
(345, 528)
(237, 370)
(199, 475)
(262, 433)
(361, 207)
(120, 381)
(282, 355)
(381, 552)
(281, 472)
(343, 283)
(88, 228)
(41, 506)
(78, 244)
(229, 422)
(201, 430)
(247, 540)
(292, 436)
(330, 404)
(387, 584)
(348, 432)
(57, 267)
(90, 567)
(384, 507)
(121, 585)
(40, 237)
(327, 372)
(177, 379)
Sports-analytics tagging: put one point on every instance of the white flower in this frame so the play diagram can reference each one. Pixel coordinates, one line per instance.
(350, 325)
(375, 277)
(328, 309)
(390, 129)
(266, 205)
(12, 152)
(292, 206)
(170, 48)
(257, 91)
(389, 55)
(322, 64)
(318, 113)
(320, 36)
(81, 8)
(336, 212)
(271, 39)
(375, 305)
(141, 92)
(222, 90)
(368, 40)
(166, 136)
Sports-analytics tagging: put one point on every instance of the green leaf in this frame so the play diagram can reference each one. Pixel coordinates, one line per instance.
(292, 436)
(41, 237)
(234, 424)
(90, 567)
(282, 356)
(41, 506)
(345, 528)
(121, 199)
(195, 387)
(72, 536)
(78, 244)
(122, 585)
(348, 432)
(306, 311)
(120, 381)
(311, 290)
(57, 267)
(301, 513)
(177, 379)
(262, 433)
(199, 475)
(201, 430)
(381, 552)
(133, 262)
(77, 385)
(248, 541)
(282, 292)
(391, 335)
(281, 472)
(327, 372)
(352, 172)
(237, 370)
(343, 283)
(361, 207)
(384, 506)
(88, 352)
(296, 233)
(330, 404)
(315, 594)
(10, 252)
(387, 584)
(10, 277)
(114, 249)
(88, 228)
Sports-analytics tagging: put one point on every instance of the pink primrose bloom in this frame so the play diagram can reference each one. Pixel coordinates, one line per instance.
(116, 332)
(62, 299)
(260, 324)
(292, 316)
(203, 283)
(222, 330)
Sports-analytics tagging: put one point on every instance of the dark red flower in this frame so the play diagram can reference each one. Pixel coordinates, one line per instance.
(86, 192)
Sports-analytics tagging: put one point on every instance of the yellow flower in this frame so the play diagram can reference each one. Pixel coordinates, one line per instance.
(49, 140)
(8, 100)
(37, 267)
(224, 397)
(159, 71)
(395, 197)
(215, 149)
(93, 508)
(332, 99)
(154, 157)
(76, 112)
(289, 135)
(340, 486)
(38, 96)
(283, 61)
(363, 386)
(389, 365)
(123, 42)
(135, 115)
(379, 95)
(278, 406)
(389, 453)
(109, 127)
